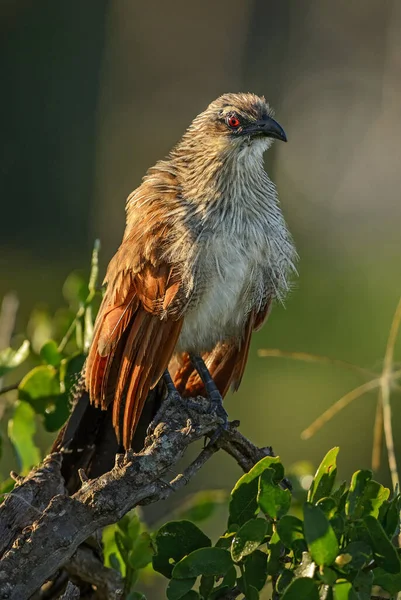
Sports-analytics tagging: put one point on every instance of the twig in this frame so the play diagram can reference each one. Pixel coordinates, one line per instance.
(377, 436)
(92, 291)
(9, 388)
(315, 358)
(384, 395)
(339, 405)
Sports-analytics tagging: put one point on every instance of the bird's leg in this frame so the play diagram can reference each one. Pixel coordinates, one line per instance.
(211, 389)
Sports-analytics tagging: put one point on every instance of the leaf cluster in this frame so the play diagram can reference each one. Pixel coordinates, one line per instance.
(340, 547)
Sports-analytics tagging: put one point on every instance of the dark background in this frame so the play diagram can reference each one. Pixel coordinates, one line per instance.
(94, 92)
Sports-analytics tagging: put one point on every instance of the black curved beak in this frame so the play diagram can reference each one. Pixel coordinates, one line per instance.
(268, 127)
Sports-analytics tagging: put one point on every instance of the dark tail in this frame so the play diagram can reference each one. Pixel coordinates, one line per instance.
(88, 440)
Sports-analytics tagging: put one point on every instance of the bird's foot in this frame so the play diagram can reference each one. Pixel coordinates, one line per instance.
(213, 395)
(172, 401)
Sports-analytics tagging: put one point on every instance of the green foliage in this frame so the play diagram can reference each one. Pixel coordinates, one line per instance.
(54, 353)
(340, 548)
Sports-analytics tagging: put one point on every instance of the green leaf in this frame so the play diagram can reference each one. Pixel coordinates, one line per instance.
(191, 595)
(273, 501)
(114, 562)
(339, 492)
(243, 503)
(327, 575)
(365, 496)
(302, 588)
(360, 553)
(142, 551)
(75, 289)
(206, 585)
(388, 581)
(230, 577)
(290, 529)
(248, 538)
(319, 535)
(325, 476)
(56, 413)
(71, 370)
(177, 588)
(284, 580)
(343, 590)
(49, 353)
(39, 387)
(389, 516)
(384, 552)
(275, 548)
(251, 593)
(328, 506)
(21, 430)
(225, 540)
(362, 584)
(11, 359)
(255, 572)
(201, 506)
(133, 526)
(123, 545)
(174, 541)
(204, 561)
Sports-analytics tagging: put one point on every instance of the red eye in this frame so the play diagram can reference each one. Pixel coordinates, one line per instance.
(233, 122)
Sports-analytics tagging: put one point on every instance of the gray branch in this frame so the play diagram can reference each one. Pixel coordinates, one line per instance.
(43, 527)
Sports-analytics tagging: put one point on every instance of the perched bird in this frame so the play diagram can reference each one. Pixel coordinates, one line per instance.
(205, 252)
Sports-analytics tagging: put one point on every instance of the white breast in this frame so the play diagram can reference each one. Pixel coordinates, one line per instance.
(223, 304)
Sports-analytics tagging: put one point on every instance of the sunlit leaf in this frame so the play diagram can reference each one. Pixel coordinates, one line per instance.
(49, 353)
(343, 590)
(365, 496)
(243, 502)
(325, 476)
(272, 499)
(11, 359)
(319, 535)
(248, 538)
(21, 429)
(39, 387)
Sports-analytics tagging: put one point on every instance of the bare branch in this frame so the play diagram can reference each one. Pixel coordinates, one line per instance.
(47, 538)
(86, 566)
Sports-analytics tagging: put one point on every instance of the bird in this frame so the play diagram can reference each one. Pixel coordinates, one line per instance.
(205, 253)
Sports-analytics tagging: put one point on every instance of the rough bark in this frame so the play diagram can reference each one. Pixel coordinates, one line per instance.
(43, 527)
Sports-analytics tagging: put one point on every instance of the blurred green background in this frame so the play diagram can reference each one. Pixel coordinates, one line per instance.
(94, 92)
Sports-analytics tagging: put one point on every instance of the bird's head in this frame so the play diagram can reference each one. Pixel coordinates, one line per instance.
(236, 122)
